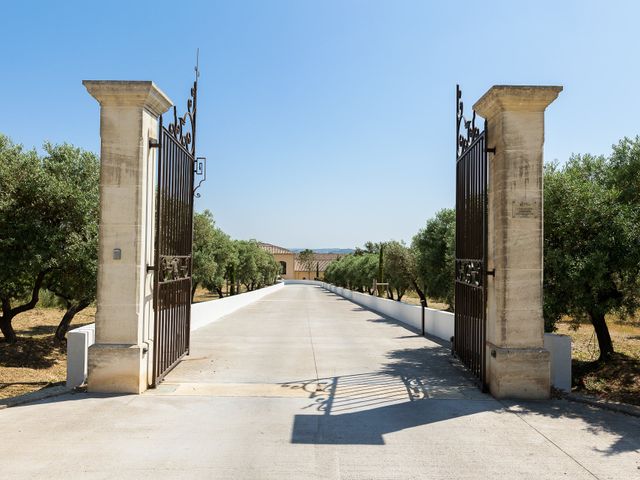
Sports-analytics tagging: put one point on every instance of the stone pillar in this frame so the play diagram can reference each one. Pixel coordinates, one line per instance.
(517, 364)
(120, 359)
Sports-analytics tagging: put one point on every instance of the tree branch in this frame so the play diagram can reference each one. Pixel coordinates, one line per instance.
(35, 295)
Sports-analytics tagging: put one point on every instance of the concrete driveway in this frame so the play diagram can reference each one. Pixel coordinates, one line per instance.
(304, 384)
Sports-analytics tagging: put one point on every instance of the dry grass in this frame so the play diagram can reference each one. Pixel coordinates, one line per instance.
(617, 379)
(37, 360)
(204, 295)
(413, 299)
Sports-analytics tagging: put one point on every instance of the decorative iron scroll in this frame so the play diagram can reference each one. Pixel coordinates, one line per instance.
(174, 267)
(472, 132)
(186, 136)
(469, 272)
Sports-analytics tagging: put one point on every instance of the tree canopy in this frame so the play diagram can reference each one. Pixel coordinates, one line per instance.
(48, 227)
(434, 251)
(591, 241)
(218, 259)
(307, 259)
(397, 268)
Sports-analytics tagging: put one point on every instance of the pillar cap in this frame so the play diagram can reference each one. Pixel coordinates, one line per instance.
(520, 98)
(129, 93)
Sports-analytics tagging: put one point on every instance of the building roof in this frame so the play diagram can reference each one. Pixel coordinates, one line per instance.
(274, 249)
(321, 261)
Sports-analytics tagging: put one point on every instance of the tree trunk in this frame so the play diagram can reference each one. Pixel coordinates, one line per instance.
(602, 333)
(220, 292)
(193, 291)
(400, 294)
(72, 309)
(7, 329)
(423, 298)
(9, 313)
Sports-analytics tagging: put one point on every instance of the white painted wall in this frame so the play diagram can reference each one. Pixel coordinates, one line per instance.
(560, 348)
(204, 313)
(78, 342)
(436, 322)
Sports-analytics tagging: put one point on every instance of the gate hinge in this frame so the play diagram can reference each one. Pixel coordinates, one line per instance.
(491, 150)
(153, 143)
(491, 272)
(151, 268)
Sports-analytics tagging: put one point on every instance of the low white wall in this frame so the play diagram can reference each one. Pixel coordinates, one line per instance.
(78, 342)
(204, 313)
(305, 282)
(436, 322)
(559, 347)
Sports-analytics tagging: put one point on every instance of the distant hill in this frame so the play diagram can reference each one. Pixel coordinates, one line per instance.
(341, 251)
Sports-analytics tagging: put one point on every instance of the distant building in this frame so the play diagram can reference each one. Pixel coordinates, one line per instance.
(292, 269)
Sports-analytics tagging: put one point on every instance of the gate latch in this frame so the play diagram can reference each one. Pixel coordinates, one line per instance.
(151, 268)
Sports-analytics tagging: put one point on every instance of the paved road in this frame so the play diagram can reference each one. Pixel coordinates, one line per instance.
(304, 384)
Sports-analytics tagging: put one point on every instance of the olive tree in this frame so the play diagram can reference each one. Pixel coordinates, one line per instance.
(48, 228)
(307, 259)
(397, 268)
(74, 280)
(591, 240)
(433, 248)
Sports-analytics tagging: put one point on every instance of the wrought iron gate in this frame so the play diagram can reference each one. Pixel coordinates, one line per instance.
(176, 167)
(471, 243)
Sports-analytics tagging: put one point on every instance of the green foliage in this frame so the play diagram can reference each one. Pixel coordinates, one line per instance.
(397, 267)
(591, 242)
(307, 259)
(26, 203)
(217, 258)
(48, 227)
(213, 253)
(380, 277)
(369, 247)
(76, 174)
(355, 271)
(256, 267)
(625, 170)
(433, 249)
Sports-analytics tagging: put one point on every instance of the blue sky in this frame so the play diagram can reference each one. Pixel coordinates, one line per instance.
(325, 123)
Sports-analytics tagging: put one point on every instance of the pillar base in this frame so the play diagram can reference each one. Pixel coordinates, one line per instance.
(519, 373)
(115, 368)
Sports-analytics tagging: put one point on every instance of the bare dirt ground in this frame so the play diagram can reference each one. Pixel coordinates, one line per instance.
(37, 361)
(619, 378)
(204, 295)
(413, 299)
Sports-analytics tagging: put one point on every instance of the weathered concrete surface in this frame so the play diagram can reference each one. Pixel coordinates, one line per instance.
(248, 404)
(518, 366)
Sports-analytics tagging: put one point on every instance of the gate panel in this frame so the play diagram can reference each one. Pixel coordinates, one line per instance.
(174, 240)
(471, 244)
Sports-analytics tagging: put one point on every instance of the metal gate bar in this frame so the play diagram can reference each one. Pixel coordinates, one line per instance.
(173, 240)
(471, 244)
